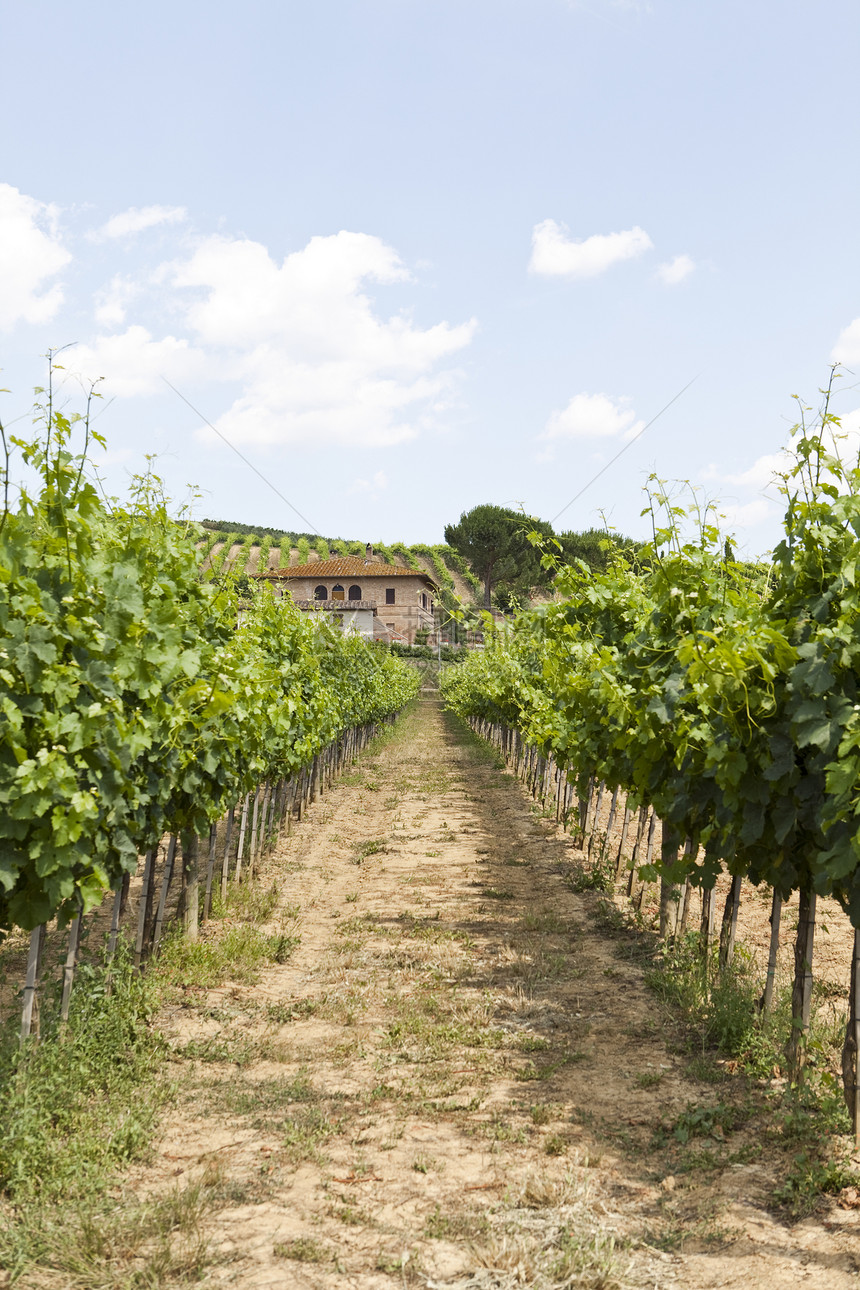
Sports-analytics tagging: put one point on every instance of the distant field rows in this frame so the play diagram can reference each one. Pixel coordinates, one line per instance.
(242, 557)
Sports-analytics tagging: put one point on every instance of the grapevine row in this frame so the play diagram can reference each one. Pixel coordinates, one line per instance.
(131, 706)
(725, 697)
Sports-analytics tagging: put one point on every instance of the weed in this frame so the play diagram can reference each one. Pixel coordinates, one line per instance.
(238, 955)
(304, 1007)
(649, 1079)
(701, 1158)
(501, 1129)
(251, 902)
(541, 1114)
(532, 1044)
(530, 1072)
(351, 1215)
(392, 1262)
(600, 877)
(707, 1070)
(568, 1255)
(441, 1226)
(808, 1177)
(76, 1108)
(70, 1105)
(236, 1049)
(545, 922)
(555, 1145)
(372, 847)
(304, 1249)
(705, 1122)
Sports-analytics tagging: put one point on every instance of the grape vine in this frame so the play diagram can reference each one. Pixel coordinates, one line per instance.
(131, 705)
(725, 696)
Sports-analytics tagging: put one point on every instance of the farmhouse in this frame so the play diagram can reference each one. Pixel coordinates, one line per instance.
(367, 595)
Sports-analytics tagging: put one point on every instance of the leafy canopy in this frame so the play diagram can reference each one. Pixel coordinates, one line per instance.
(494, 541)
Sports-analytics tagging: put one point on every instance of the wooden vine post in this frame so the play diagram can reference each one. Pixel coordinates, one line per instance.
(252, 849)
(706, 929)
(595, 823)
(69, 966)
(729, 927)
(766, 1001)
(801, 993)
(210, 871)
(165, 888)
(144, 911)
(191, 876)
(851, 1047)
(242, 827)
(669, 891)
(637, 846)
(625, 826)
(30, 1011)
(613, 807)
(118, 910)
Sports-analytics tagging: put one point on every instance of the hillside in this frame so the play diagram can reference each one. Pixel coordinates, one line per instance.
(241, 549)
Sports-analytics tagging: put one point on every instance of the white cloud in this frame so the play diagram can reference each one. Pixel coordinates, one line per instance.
(112, 302)
(762, 472)
(848, 437)
(766, 472)
(675, 271)
(132, 362)
(30, 254)
(138, 218)
(373, 486)
(847, 347)
(316, 360)
(555, 254)
(592, 416)
(746, 515)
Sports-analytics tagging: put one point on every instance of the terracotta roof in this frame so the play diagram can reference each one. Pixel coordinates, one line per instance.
(347, 566)
(341, 606)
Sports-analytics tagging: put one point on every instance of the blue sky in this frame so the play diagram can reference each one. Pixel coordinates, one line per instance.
(412, 255)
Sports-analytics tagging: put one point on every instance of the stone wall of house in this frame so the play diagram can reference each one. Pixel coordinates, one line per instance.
(406, 616)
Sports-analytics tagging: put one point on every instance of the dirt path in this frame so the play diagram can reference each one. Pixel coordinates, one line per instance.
(459, 1078)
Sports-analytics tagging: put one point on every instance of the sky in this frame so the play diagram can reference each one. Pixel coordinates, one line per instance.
(408, 256)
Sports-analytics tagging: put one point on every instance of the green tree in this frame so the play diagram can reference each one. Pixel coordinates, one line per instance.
(494, 541)
(597, 547)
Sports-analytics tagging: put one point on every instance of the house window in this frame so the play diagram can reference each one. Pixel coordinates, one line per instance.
(337, 592)
(320, 593)
(423, 600)
(389, 595)
(355, 593)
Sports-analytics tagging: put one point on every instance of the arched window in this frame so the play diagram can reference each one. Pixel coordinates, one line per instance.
(355, 592)
(320, 593)
(337, 592)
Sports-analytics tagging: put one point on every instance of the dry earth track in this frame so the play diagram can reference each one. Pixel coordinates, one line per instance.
(459, 1077)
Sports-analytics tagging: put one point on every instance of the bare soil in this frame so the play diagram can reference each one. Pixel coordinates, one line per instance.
(459, 1078)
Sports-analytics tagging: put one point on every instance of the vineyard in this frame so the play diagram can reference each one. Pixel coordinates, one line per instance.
(134, 709)
(719, 699)
(298, 984)
(231, 550)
